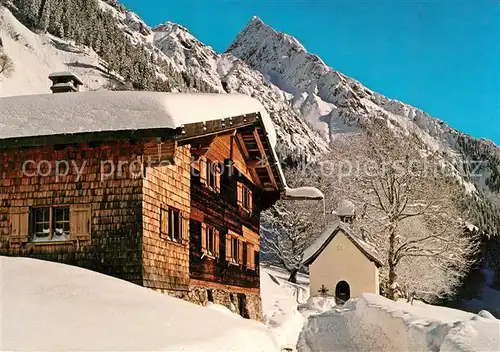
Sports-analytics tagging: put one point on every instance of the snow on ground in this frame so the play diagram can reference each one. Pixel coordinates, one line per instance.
(48, 306)
(35, 56)
(374, 323)
(279, 304)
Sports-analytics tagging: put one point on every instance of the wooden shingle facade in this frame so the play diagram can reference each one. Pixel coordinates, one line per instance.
(171, 206)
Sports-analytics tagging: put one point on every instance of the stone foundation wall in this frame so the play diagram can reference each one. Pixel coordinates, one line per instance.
(227, 298)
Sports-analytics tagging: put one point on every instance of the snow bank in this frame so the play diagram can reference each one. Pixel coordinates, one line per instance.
(279, 304)
(373, 323)
(321, 304)
(55, 307)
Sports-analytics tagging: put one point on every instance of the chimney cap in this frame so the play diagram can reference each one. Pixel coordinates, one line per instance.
(65, 75)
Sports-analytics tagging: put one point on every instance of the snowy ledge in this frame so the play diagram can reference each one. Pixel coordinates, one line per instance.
(303, 193)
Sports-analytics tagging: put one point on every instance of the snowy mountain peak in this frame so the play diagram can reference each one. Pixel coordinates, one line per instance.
(170, 26)
(333, 103)
(257, 29)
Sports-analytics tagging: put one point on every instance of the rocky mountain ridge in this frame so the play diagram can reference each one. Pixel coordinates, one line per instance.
(309, 102)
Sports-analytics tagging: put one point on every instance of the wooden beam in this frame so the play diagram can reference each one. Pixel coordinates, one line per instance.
(264, 155)
(242, 146)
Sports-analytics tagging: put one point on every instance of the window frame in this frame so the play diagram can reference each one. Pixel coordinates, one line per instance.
(175, 230)
(211, 177)
(235, 249)
(246, 201)
(51, 221)
(245, 197)
(210, 234)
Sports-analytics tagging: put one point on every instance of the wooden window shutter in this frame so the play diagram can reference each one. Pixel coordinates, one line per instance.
(217, 175)
(203, 237)
(203, 169)
(228, 248)
(250, 200)
(185, 228)
(250, 256)
(79, 222)
(240, 252)
(216, 242)
(240, 194)
(163, 223)
(19, 225)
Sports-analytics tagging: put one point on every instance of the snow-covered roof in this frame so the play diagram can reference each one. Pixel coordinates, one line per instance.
(71, 113)
(53, 114)
(63, 74)
(345, 208)
(304, 193)
(314, 250)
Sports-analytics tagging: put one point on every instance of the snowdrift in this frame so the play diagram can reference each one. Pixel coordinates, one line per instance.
(280, 300)
(373, 323)
(48, 306)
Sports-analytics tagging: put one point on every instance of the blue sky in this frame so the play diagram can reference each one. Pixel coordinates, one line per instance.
(442, 56)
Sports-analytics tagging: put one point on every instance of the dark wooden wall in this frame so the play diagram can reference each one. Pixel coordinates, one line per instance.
(221, 211)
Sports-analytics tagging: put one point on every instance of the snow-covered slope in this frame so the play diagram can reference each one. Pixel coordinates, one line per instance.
(48, 306)
(36, 56)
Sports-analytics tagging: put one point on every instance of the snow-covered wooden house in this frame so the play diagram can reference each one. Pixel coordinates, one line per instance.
(342, 263)
(163, 190)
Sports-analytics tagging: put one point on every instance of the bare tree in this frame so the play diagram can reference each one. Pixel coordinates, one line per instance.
(287, 229)
(6, 65)
(407, 207)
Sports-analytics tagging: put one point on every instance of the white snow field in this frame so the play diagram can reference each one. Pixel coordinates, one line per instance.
(374, 323)
(48, 306)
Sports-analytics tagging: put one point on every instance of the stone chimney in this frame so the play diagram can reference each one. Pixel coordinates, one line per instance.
(65, 82)
(345, 211)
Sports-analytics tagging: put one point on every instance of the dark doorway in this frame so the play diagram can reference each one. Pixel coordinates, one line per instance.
(342, 292)
(242, 305)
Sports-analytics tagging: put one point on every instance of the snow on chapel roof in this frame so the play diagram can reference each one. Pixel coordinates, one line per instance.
(71, 113)
(314, 250)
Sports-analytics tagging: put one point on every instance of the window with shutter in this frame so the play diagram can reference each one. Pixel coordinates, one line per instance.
(172, 225)
(245, 197)
(212, 173)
